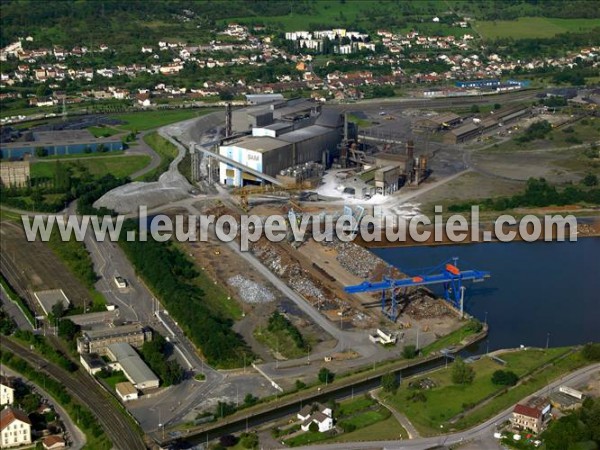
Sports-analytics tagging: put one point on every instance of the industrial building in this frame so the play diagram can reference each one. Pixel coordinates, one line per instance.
(124, 357)
(59, 143)
(15, 174)
(97, 341)
(499, 118)
(47, 299)
(283, 135)
(438, 122)
(126, 391)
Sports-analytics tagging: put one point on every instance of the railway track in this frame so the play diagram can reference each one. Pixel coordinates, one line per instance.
(88, 393)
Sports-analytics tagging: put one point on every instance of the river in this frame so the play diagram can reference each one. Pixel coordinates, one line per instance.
(539, 292)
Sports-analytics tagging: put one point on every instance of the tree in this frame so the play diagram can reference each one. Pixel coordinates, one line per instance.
(228, 440)
(591, 352)
(475, 109)
(313, 427)
(249, 440)
(300, 385)
(409, 352)
(58, 310)
(325, 375)
(67, 329)
(389, 382)
(462, 373)
(29, 403)
(504, 378)
(497, 106)
(40, 152)
(590, 180)
(250, 399)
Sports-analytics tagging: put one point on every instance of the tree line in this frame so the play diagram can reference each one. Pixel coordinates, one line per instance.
(172, 277)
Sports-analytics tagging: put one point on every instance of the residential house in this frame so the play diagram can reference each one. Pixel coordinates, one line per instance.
(15, 428)
(532, 415)
(53, 442)
(7, 391)
(317, 413)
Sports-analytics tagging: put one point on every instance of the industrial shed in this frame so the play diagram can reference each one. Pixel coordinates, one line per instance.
(59, 143)
(462, 134)
(264, 154)
(125, 358)
(311, 142)
(439, 122)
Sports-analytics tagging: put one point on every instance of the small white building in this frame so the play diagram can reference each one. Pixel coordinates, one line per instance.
(319, 414)
(15, 428)
(383, 337)
(126, 391)
(7, 392)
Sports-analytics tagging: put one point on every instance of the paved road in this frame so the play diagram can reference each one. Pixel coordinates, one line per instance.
(86, 390)
(412, 432)
(76, 436)
(480, 432)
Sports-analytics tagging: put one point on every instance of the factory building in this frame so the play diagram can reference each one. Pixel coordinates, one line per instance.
(15, 173)
(97, 341)
(125, 358)
(500, 118)
(283, 135)
(59, 143)
(439, 122)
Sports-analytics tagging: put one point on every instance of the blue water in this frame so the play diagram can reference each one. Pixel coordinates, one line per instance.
(535, 288)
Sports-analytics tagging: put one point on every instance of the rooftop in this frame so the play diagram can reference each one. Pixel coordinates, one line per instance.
(125, 388)
(260, 144)
(114, 331)
(9, 415)
(131, 363)
(47, 299)
(468, 128)
(304, 133)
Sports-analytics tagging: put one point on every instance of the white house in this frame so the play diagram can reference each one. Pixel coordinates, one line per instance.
(126, 391)
(7, 392)
(15, 428)
(319, 414)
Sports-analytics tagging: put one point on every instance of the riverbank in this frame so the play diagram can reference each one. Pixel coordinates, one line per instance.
(586, 227)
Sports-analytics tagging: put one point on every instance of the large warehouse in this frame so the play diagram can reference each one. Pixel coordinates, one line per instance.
(283, 135)
(59, 143)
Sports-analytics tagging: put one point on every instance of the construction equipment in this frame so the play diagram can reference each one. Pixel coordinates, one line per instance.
(451, 277)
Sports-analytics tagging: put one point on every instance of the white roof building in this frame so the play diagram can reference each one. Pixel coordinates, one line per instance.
(136, 370)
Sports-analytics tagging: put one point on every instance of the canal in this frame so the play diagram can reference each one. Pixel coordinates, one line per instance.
(539, 292)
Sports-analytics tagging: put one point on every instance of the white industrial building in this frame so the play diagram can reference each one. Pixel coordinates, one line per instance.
(125, 358)
(283, 135)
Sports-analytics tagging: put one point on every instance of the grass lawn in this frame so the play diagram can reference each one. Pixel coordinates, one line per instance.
(532, 27)
(278, 341)
(165, 150)
(120, 166)
(83, 155)
(349, 407)
(449, 340)
(146, 120)
(447, 400)
(103, 131)
(331, 12)
(584, 131)
(387, 429)
(114, 378)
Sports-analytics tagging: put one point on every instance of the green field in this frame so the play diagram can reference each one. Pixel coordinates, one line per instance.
(335, 13)
(279, 341)
(146, 120)
(103, 131)
(532, 27)
(448, 400)
(165, 150)
(119, 166)
(372, 421)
